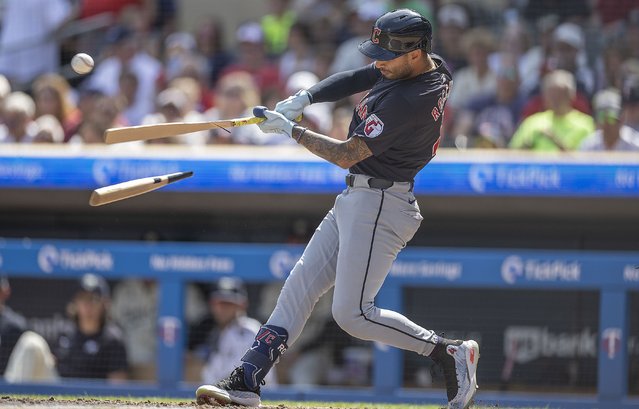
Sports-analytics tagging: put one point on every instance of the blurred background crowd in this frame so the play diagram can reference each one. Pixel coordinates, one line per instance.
(528, 74)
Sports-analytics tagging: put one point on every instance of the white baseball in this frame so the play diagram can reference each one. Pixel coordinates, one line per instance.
(82, 63)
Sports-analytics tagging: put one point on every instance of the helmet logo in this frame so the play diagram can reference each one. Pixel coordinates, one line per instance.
(375, 36)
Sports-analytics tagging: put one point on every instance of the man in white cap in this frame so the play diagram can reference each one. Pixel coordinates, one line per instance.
(612, 133)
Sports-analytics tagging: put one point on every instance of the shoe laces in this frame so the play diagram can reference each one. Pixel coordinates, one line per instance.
(235, 381)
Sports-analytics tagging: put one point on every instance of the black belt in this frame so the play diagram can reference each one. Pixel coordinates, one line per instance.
(375, 183)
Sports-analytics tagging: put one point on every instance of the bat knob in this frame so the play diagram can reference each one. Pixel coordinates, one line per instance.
(258, 111)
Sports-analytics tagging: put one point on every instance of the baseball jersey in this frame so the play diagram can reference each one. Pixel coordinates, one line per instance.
(90, 356)
(400, 122)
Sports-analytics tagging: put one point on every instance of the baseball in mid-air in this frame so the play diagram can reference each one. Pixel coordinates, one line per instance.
(82, 63)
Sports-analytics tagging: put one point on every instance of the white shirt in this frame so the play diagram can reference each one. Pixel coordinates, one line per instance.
(146, 68)
(628, 141)
(233, 342)
(467, 84)
(27, 46)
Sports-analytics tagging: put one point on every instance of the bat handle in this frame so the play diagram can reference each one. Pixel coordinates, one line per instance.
(258, 111)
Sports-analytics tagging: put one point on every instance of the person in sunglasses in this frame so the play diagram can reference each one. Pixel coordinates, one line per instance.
(612, 133)
(393, 134)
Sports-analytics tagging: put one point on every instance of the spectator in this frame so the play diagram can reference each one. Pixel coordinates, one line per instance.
(453, 21)
(477, 78)
(235, 95)
(490, 120)
(612, 134)
(49, 130)
(568, 53)
(224, 346)
(93, 348)
(173, 106)
(210, 44)
(300, 54)
(181, 55)
(18, 115)
(12, 325)
(28, 44)
(127, 56)
(276, 25)
(630, 95)
(347, 57)
(560, 127)
(534, 63)
(252, 58)
(53, 96)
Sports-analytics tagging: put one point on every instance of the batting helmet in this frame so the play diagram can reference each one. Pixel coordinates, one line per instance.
(398, 32)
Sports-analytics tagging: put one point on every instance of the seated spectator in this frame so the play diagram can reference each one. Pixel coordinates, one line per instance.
(49, 130)
(490, 120)
(173, 106)
(612, 134)
(252, 58)
(53, 96)
(300, 53)
(235, 96)
(276, 24)
(453, 20)
(12, 325)
(92, 348)
(630, 95)
(18, 114)
(210, 44)
(560, 127)
(226, 342)
(477, 78)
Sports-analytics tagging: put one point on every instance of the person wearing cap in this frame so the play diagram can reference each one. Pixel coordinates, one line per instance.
(91, 347)
(12, 324)
(612, 134)
(630, 101)
(233, 329)
(560, 127)
(394, 132)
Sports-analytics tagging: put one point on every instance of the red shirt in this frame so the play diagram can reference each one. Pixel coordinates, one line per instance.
(93, 7)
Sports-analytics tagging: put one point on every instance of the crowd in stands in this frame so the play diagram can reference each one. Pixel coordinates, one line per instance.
(524, 71)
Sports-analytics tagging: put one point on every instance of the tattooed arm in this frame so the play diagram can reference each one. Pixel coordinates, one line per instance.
(342, 153)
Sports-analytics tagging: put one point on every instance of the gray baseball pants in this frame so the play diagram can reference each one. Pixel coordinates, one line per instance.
(353, 249)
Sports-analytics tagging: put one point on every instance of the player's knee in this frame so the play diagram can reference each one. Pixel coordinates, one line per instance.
(349, 319)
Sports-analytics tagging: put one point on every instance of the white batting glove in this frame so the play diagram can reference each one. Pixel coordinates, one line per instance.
(293, 106)
(276, 123)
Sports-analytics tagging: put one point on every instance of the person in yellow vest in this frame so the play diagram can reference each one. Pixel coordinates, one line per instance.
(560, 127)
(276, 25)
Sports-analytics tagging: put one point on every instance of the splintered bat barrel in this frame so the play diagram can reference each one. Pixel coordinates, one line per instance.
(164, 130)
(125, 190)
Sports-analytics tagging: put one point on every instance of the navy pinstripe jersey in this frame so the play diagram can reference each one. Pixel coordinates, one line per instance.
(400, 121)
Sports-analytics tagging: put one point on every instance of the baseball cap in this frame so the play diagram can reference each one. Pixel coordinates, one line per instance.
(250, 32)
(630, 90)
(607, 102)
(230, 289)
(93, 283)
(569, 33)
(453, 15)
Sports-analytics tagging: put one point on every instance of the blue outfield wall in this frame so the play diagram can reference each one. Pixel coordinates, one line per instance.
(613, 274)
(291, 171)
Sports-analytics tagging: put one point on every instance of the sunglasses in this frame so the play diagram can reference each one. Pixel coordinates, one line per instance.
(607, 117)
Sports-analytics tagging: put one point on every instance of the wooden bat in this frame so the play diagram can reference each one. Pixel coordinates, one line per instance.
(156, 131)
(125, 190)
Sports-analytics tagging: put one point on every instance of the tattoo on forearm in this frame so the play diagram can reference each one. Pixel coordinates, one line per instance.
(342, 153)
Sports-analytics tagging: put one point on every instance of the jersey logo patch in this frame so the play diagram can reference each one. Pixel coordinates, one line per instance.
(373, 127)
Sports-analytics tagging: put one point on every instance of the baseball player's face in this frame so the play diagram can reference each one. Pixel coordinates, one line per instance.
(395, 69)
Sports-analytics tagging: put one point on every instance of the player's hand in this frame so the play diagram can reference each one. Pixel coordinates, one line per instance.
(274, 122)
(293, 106)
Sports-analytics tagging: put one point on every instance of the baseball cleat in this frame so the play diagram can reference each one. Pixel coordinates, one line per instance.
(231, 390)
(465, 358)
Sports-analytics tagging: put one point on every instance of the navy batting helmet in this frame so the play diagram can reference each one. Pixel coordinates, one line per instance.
(398, 32)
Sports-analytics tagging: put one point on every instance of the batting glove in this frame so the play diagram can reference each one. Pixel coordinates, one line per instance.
(274, 122)
(293, 106)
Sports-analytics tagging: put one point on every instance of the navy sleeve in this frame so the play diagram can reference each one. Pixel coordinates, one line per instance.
(386, 124)
(344, 84)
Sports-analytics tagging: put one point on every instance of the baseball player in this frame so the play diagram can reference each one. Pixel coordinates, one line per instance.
(393, 134)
